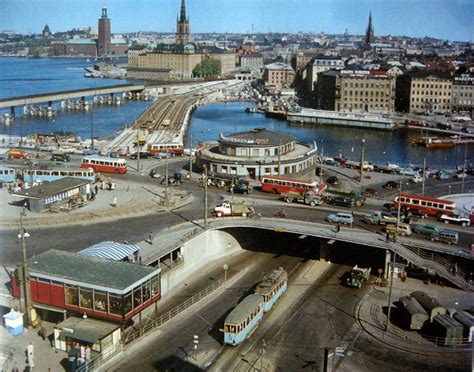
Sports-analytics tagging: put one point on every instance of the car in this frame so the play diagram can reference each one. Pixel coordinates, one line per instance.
(240, 188)
(341, 201)
(445, 236)
(390, 185)
(408, 171)
(48, 148)
(416, 179)
(370, 192)
(162, 155)
(456, 218)
(90, 152)
(341, 217)
(154, 174)
(388, 206)
(443, 176)
(460, 175)
(330, 161)
(114, 155)
(171, 181)
(333, 180)
(416, 213)
(59, 156)
(143, 155)
(426, 229)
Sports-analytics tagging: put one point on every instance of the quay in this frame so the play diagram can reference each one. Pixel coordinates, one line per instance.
(68, 94)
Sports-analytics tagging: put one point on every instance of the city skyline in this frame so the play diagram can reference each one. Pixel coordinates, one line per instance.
(442, 19)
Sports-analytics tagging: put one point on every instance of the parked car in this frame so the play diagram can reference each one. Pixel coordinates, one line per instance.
(407, 172)
(143, 155)
(154, 174)
(426, 229)
(445, 236)
(416, 213)
(461, 175)
(330, 161)
(333, 180)
(341, 201)
(341, 217)
(442, 175)
(162, 155)
(390, 185)
(457, 219)
(90, 152)
(404, 229)
(388, 206)
(416, 179)
(59, 156)
(240, 188)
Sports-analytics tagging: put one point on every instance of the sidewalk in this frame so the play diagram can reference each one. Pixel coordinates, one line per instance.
(132, 200)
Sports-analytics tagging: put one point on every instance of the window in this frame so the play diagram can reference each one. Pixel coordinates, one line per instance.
(72, 297)
(115, 304)
(85, 298)
(100, 301)
(155, 285)
(146, 291)
(256, 152)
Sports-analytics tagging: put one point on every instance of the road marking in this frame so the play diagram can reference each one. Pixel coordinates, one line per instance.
(203, 319)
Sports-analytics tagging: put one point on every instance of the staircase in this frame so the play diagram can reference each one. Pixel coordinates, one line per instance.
(435, 262)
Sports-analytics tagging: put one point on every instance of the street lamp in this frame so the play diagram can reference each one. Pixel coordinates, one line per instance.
(225, 267)
(26, 284)
(362, 159)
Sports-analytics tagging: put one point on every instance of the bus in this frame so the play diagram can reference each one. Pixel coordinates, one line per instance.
(243, 320)
(277, 185)
(174, 149)
(105, 165)
(54, 174)
(272, 287)
(430, 206)
(7, 174)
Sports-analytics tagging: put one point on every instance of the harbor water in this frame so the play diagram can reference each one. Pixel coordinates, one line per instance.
(21, 76)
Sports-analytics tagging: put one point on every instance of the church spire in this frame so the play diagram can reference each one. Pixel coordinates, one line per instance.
(369, 34)
(182, 17)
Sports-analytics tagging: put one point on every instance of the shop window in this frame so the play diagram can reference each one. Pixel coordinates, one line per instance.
(72, 297)
(146, 291)
(137, 297)
(115, 303)
(127, 303)
(85, 298)
(155, 285)
(100, 301)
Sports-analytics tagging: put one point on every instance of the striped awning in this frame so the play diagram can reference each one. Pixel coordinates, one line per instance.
(110, 250)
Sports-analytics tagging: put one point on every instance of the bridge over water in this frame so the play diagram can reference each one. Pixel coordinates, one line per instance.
(422, 253)
(67, 94)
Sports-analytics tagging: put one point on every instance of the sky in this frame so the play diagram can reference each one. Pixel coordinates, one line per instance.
(443, 19)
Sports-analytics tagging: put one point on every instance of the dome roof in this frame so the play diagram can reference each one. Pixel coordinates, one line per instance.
(258, 136)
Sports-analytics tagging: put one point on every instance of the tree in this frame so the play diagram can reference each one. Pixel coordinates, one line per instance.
(208, 67)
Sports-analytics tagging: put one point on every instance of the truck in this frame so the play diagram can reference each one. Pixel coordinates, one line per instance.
(380, 218)
(357, 276)
(356, 165)
(332, 195)
(307, 198)
(228, 208)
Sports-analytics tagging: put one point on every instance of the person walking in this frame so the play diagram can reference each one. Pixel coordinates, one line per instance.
(114, 201)
(338, 227)
(387, 238)
(88, 356)
(30, 356)
(96, 188)
(151, 237)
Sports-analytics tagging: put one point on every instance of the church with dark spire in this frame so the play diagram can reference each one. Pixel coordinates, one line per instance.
(369, 33)
(182, 26)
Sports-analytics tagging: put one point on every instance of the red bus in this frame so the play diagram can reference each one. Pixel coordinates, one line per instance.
(430, 206)
(105, 165)
(277, 185)
(174, 149)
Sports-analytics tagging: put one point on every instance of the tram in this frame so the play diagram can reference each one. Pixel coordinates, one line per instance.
(105, 165)
(272, 287)
(7, 174)
(54, 174)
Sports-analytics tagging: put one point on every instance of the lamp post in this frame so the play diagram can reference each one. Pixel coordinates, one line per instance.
(26, 280)
(398, 207)
(205, 196)
(423, 178)
(190, 156)
(225, 267)
(362, 159)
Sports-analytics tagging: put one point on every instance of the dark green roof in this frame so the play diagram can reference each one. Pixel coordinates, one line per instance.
(93, 272)
(87, 330)
(52, 188)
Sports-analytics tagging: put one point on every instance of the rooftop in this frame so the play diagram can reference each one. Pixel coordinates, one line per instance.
(52, 188)
(88, 330)
(81, 42)
(94, 272)
(242, 310)
(258, 137)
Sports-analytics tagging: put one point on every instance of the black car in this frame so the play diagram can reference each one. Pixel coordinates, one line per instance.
(240, 188)
(143, 155)
(60, 157)
(341, 201)
(333, 180)
(416, 213)
(390, 185)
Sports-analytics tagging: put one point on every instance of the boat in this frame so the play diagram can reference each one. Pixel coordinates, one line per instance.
(435, 143)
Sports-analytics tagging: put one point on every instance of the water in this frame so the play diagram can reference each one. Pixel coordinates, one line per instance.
(25, 76)
(380, 146)
(21, 76)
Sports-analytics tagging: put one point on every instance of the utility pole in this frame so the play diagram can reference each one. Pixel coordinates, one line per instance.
(424, 176)
(390, 291)
(92, 132)
(205, 196)
(191, 157)
(279, 158)
(398, 207)
(464, 169)
(362, 159)
(26, 280)
(166, 179)
(138, 150)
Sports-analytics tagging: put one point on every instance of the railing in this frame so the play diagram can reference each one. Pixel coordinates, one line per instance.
(8, 356)
(152, 324)
(100, 359)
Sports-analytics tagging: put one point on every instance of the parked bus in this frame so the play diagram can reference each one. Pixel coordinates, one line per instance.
(277, 185)
(430, 206)
(105, 165)
(174, 149)
(7, 174)
(54, 174)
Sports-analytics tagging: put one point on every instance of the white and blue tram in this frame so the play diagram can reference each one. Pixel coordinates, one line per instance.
(272, 287)
(7, 174)
(54, 174)
(243, 320)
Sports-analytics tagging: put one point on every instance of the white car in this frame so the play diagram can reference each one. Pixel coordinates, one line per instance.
(416, 179)
(460, 175)
(455, 218)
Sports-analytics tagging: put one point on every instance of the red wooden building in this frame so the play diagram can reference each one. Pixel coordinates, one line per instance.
(94, 286)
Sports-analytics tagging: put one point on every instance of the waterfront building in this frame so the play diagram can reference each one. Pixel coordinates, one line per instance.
(277, 75)
(424, 91)
(369, 33)
(257, 153)
(183, 30)
(320, 64)
(463, 93)
(356, 90)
